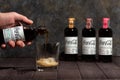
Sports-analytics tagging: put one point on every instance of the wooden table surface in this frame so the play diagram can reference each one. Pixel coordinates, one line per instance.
(21, 69)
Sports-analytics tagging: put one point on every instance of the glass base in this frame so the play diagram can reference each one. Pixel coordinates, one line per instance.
(47, 69)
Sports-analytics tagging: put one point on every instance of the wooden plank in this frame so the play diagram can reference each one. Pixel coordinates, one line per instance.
(49, 73)
(10, 74)
(27, 63)
(22, 75)
(89, 70)
(5, 74)
(7, 62)
(68, 71)
(111, 70)
(5, 78)
(17, 68)
(116, 60)
(45, 75)
(100, 79)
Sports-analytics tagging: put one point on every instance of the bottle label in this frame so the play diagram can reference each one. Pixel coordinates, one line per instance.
(71, 45)
(89, 45)
(15, 33)
(105, 46)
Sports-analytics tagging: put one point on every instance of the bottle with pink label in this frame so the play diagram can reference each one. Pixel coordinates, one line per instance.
(105, 42)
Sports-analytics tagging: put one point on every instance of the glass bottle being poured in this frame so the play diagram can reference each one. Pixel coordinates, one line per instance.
(21, 32)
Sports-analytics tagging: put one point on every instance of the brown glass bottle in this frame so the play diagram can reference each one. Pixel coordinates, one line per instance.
(88, 42)
(26, 34)
(105, 42)
(71, 42)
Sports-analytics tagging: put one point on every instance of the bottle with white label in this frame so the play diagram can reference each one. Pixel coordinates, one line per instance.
(25, 34)
(71, 42)
(105, 42)
(88, 41)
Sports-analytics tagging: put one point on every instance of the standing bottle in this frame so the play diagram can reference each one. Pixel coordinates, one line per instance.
(71, 42)
(105, 42)
(88, 42)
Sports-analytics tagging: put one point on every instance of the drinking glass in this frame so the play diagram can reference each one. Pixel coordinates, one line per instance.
(47, 57)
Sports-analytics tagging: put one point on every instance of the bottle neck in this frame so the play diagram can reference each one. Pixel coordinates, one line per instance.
(71, 25)
(88, 23)
(71, 22)
(105, 25)
(42, 30)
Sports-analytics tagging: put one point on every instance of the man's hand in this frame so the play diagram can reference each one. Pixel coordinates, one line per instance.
(11, 19)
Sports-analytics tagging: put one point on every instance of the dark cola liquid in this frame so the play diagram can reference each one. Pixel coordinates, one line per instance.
(1, 37)
(30, 34)
(105, 33)
(43, 31)
(88, 34)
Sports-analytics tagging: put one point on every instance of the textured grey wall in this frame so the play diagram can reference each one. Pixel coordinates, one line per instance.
(54, 14)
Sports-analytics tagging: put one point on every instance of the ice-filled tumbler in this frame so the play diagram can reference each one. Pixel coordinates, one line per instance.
(47, 57)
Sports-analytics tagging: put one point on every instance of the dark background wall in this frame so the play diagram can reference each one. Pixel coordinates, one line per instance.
(54, 15)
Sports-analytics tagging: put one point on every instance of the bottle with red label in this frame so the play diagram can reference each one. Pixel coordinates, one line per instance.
(89, 41)
(105, 42)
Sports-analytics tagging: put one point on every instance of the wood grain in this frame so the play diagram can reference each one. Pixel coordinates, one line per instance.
(10, 69)
(89, 70)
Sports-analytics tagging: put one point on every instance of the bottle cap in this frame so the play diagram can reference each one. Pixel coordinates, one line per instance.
(88, 23)
(71, 22)
(106, 22)
(106, 19)
(71, 19)
(89, 19)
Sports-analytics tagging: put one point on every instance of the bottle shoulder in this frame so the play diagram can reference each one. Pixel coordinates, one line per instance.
(90, 29)
(71, 32)
(91, 32)
(67, 28)
(71, 29)
(105, 30)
